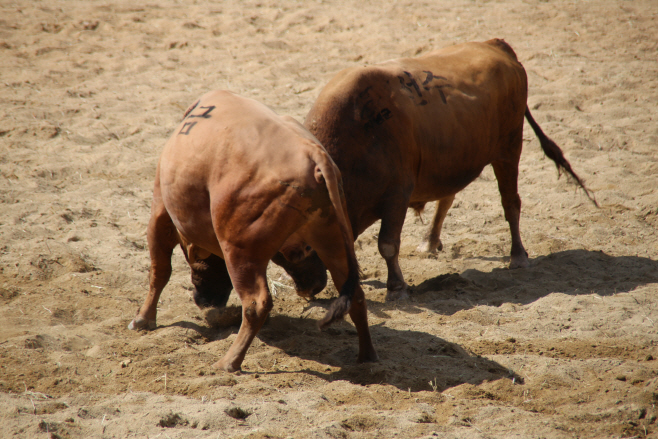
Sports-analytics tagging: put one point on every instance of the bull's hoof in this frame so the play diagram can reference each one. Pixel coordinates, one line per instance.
(368, 357)
(307, 294)
(428, 247)
(397, 294)
(227, 366)
(520, 261)
(142, 323)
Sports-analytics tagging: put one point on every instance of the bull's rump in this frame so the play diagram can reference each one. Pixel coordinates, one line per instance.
(431, 123)
(224, 167)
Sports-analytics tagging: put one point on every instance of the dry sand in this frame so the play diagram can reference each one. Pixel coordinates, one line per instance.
(568, 347)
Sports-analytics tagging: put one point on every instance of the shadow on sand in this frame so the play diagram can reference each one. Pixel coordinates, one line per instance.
(409, 360)
(414, 360)
(571, 272)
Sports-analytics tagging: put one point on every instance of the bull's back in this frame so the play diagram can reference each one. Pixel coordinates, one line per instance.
(431, 123)
(477, 99)
(227, 159)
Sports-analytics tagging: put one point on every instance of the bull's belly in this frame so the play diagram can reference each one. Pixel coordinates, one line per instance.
(194, 223)
(202, 237)
(437, 187)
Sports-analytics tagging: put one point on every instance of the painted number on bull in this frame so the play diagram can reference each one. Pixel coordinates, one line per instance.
(187, 126)
(409, 82)
(369, 111)
(205, 114)
(413, 89)
(379, 118)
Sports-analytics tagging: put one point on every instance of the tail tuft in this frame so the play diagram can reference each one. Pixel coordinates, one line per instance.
(336, 311)
(554, 153)
(342, 304)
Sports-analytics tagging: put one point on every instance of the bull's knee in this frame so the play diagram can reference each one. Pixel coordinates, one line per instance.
(257, 310)
(512, 208)
(388, 250)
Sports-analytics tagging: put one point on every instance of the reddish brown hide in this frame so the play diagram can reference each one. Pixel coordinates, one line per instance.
(237, 181)
(415, 130)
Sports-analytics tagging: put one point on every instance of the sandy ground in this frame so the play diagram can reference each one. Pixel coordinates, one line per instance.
(568, 347)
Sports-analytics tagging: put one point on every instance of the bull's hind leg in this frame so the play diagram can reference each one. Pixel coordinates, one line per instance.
(249, 275)
(248, 247)
(162, 238)
(432, 241)
(507, 174)
(329, 244)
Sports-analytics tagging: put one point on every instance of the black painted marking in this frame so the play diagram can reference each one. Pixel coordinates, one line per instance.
(205, 114)
(405, 85)
(380, 118)
(365, 93)
(443, 96)
(430, 77)
(410, 85)
(187, 126)
(414, 84)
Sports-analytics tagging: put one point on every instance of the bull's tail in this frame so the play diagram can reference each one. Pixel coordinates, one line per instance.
(554, 153)
(190, 108)
(331, 176)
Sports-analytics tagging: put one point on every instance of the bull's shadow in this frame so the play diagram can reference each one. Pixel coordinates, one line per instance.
(572, 272)
(409, 359)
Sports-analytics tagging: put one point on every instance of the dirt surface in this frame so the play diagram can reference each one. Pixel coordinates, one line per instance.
(565, 348)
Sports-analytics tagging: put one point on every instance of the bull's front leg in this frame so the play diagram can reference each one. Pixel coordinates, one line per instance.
(432, 241)
(389, 248)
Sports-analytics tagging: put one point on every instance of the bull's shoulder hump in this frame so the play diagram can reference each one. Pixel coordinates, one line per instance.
(495, 49)
(502, 45)
(353, 83)
(363, 75)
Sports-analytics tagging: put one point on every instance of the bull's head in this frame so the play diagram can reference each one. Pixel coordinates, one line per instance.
(212, 284)
(309, 273)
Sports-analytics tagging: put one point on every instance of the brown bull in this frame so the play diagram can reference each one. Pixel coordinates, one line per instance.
(235, 185)
(415, 130)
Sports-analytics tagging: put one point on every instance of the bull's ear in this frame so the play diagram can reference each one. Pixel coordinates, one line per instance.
(318, 175)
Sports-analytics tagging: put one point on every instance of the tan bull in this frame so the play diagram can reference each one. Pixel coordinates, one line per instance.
(235, 185)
